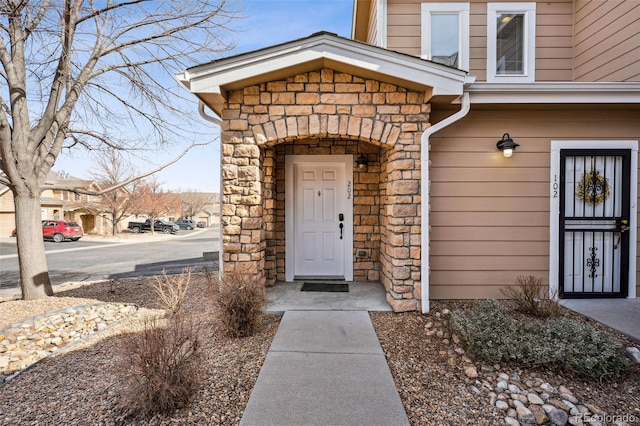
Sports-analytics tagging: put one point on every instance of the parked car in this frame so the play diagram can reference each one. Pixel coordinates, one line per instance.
(201, 225)
(59, 230)
(187, 224)
(165, 226)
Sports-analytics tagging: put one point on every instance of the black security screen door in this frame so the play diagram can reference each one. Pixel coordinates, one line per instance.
(594, 220)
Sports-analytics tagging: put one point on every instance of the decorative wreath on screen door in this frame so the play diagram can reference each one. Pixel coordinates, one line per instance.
(593, 188)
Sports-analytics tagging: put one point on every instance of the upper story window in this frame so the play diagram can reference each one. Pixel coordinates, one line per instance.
(511, 36)
(445, 34)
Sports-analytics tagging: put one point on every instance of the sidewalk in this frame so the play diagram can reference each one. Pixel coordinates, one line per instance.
(325, 368)
(619, 314)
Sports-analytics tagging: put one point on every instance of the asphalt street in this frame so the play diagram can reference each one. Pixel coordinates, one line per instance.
(92, 259)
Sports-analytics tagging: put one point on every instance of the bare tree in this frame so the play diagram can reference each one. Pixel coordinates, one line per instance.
(91, 74)
(192, 202)
(153, 201)
(110, 171)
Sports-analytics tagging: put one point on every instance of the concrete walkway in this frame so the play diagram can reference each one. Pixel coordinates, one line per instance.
(362, 296)
(325, 368)
(619, 314)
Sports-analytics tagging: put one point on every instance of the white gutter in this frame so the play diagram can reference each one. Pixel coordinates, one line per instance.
(210, 118)
(465, 105)
(215, 120)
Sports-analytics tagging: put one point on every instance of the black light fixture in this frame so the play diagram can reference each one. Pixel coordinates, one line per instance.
(507, 145)
(362, 161)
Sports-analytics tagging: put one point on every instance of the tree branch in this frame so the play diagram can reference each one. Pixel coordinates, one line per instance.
(128, 181)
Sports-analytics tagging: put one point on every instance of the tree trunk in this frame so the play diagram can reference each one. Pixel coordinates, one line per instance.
(34, 273)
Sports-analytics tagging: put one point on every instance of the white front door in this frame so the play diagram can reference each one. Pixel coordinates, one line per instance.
(319, 217)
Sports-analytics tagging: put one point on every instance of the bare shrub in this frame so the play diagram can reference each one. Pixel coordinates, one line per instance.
(161, 365)
(529, 296)
(209, 276)
(240, 299)
(172, 289)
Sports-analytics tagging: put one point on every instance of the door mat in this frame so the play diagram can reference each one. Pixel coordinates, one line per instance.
(328, 287)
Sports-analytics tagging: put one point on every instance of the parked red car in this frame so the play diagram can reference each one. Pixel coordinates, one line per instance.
(59, 230)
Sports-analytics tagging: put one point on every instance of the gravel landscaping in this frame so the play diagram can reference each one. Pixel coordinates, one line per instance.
(80, 385)
(439, 383)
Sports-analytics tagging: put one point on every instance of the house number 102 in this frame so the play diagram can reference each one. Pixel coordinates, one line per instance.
(349, 190)
(554, 186)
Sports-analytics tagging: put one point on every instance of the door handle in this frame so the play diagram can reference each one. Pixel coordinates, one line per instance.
(341, 226)
(622, 225)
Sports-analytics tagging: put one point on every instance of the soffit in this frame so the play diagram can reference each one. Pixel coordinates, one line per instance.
(211, 81)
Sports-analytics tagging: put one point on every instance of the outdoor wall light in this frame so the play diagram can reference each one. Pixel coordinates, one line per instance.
(507, 145)
(362, 161)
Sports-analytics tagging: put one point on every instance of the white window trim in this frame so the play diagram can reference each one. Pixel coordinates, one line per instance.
(381, 19)
(554, 210)
(462, 9)
(529, 11)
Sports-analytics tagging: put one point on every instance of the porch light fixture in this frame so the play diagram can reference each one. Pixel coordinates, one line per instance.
(362, 161)
(507, 145)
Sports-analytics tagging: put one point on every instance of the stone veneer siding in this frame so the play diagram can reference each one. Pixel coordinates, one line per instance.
(326, 112)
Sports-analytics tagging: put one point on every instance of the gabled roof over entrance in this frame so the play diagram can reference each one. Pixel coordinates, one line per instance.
(211, 81)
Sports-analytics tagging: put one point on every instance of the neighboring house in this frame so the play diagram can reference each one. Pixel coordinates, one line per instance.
(376, 159)
(206, 205)
(210, 213)
(50, 208)
(60, 205)
(81, 208)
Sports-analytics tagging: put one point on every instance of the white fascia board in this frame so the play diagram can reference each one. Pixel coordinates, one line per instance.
(211, 78)
(555, 93)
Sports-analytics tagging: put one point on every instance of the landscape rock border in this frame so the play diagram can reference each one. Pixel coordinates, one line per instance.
(25, 343)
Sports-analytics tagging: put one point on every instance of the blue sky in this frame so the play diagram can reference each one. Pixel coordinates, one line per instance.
(263, 23)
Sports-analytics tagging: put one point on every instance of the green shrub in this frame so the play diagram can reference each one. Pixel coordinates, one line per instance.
(161, 365)
(493, 334)
(240, 301)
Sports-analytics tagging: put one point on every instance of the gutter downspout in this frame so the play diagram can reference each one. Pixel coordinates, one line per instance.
(465, 105)
(217, 121)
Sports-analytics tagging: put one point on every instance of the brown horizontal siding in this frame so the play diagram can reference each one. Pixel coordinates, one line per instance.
(554, 39)
(497, 189)
(607, 40)
(481, 278)
(403, 26)
(489, 291)
(491, 219)
(489, 215)
(464, 232)
(526, 204)
(479, 248)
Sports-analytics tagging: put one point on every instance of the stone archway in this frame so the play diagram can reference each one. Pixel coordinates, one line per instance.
(325, 112)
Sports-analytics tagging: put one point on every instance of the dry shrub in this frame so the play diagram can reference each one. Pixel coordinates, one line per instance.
(161, 365)
(240, 300)
(172, 289)
(530, 297)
